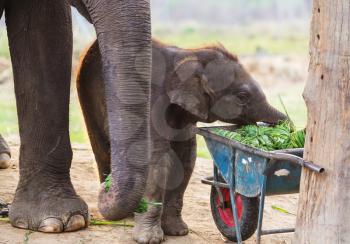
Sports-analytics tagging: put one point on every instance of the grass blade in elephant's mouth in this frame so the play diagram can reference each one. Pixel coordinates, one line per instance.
(281, 136)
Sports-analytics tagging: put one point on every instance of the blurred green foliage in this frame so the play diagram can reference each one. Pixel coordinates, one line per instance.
(9, 121)
(241, 41)
(4, 49)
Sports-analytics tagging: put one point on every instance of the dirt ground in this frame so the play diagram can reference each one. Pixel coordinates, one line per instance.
(196, 210)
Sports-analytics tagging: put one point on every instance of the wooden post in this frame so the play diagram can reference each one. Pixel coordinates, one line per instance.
(324, 205)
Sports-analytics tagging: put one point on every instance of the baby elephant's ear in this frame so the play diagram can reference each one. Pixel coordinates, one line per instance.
(189, 88)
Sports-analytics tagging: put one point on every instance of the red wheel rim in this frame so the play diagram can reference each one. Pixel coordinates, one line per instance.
(224, 208)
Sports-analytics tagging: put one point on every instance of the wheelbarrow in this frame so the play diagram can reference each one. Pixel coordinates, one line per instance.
(242, 177)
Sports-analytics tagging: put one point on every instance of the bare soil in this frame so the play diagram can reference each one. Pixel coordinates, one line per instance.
(196, 212)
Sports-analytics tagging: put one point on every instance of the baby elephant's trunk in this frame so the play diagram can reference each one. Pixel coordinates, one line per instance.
(272, 115)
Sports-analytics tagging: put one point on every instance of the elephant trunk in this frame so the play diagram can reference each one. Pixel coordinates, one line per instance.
(123, 31)
(272, 116)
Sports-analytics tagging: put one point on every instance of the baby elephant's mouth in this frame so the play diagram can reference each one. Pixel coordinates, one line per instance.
(240, 121)
(269, 123)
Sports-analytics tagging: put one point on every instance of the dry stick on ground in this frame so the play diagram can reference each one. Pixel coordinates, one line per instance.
(323, 213)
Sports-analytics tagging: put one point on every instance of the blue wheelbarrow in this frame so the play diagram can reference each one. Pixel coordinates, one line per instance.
(242, 177)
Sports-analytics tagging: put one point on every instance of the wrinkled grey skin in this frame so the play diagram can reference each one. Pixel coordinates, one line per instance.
(40, 40)
(5, 154)
(188, 86)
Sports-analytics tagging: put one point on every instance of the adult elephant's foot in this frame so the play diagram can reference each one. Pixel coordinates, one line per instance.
(174, 226)
(148, 228)
(4, 160)
(48, 205)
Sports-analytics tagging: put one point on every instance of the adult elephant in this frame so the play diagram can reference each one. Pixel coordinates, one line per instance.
(40, 40)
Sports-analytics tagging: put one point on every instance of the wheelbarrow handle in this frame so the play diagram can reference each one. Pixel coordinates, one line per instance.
(297, 160)
(313, 167)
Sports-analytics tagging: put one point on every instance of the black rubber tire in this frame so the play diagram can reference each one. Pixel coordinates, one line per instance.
(249, 218)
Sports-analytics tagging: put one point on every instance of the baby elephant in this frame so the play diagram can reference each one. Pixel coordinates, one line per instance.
(188, 86)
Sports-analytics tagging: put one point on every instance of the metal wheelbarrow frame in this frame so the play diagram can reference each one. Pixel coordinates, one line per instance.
(253, 172)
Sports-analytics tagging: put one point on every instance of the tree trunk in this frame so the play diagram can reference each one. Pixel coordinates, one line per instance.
(324, 205)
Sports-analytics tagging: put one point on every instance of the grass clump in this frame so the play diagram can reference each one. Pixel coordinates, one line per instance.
(143, 204)
(281, 136)
(108, 183)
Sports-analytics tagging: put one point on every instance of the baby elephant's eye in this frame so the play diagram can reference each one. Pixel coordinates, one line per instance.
(243, 98)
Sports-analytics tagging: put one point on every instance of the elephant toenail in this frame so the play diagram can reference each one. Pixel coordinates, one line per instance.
(51, 225)
(155, 241)
(76, 222)
(4, 160)
(21, 225)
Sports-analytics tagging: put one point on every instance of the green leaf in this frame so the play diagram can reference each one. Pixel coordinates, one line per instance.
(108, 181)
(144, 204)
(279, 209)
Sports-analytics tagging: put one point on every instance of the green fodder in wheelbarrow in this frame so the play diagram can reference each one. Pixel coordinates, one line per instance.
(281, 136)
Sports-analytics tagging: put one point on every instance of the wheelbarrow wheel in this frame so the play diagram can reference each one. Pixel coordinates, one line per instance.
(247, 208)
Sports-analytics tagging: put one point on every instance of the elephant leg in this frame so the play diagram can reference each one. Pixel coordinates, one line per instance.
(5, 154)
(123, 31)
(40, 40)
(148, 225)
(180, 174)
(91, 91)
